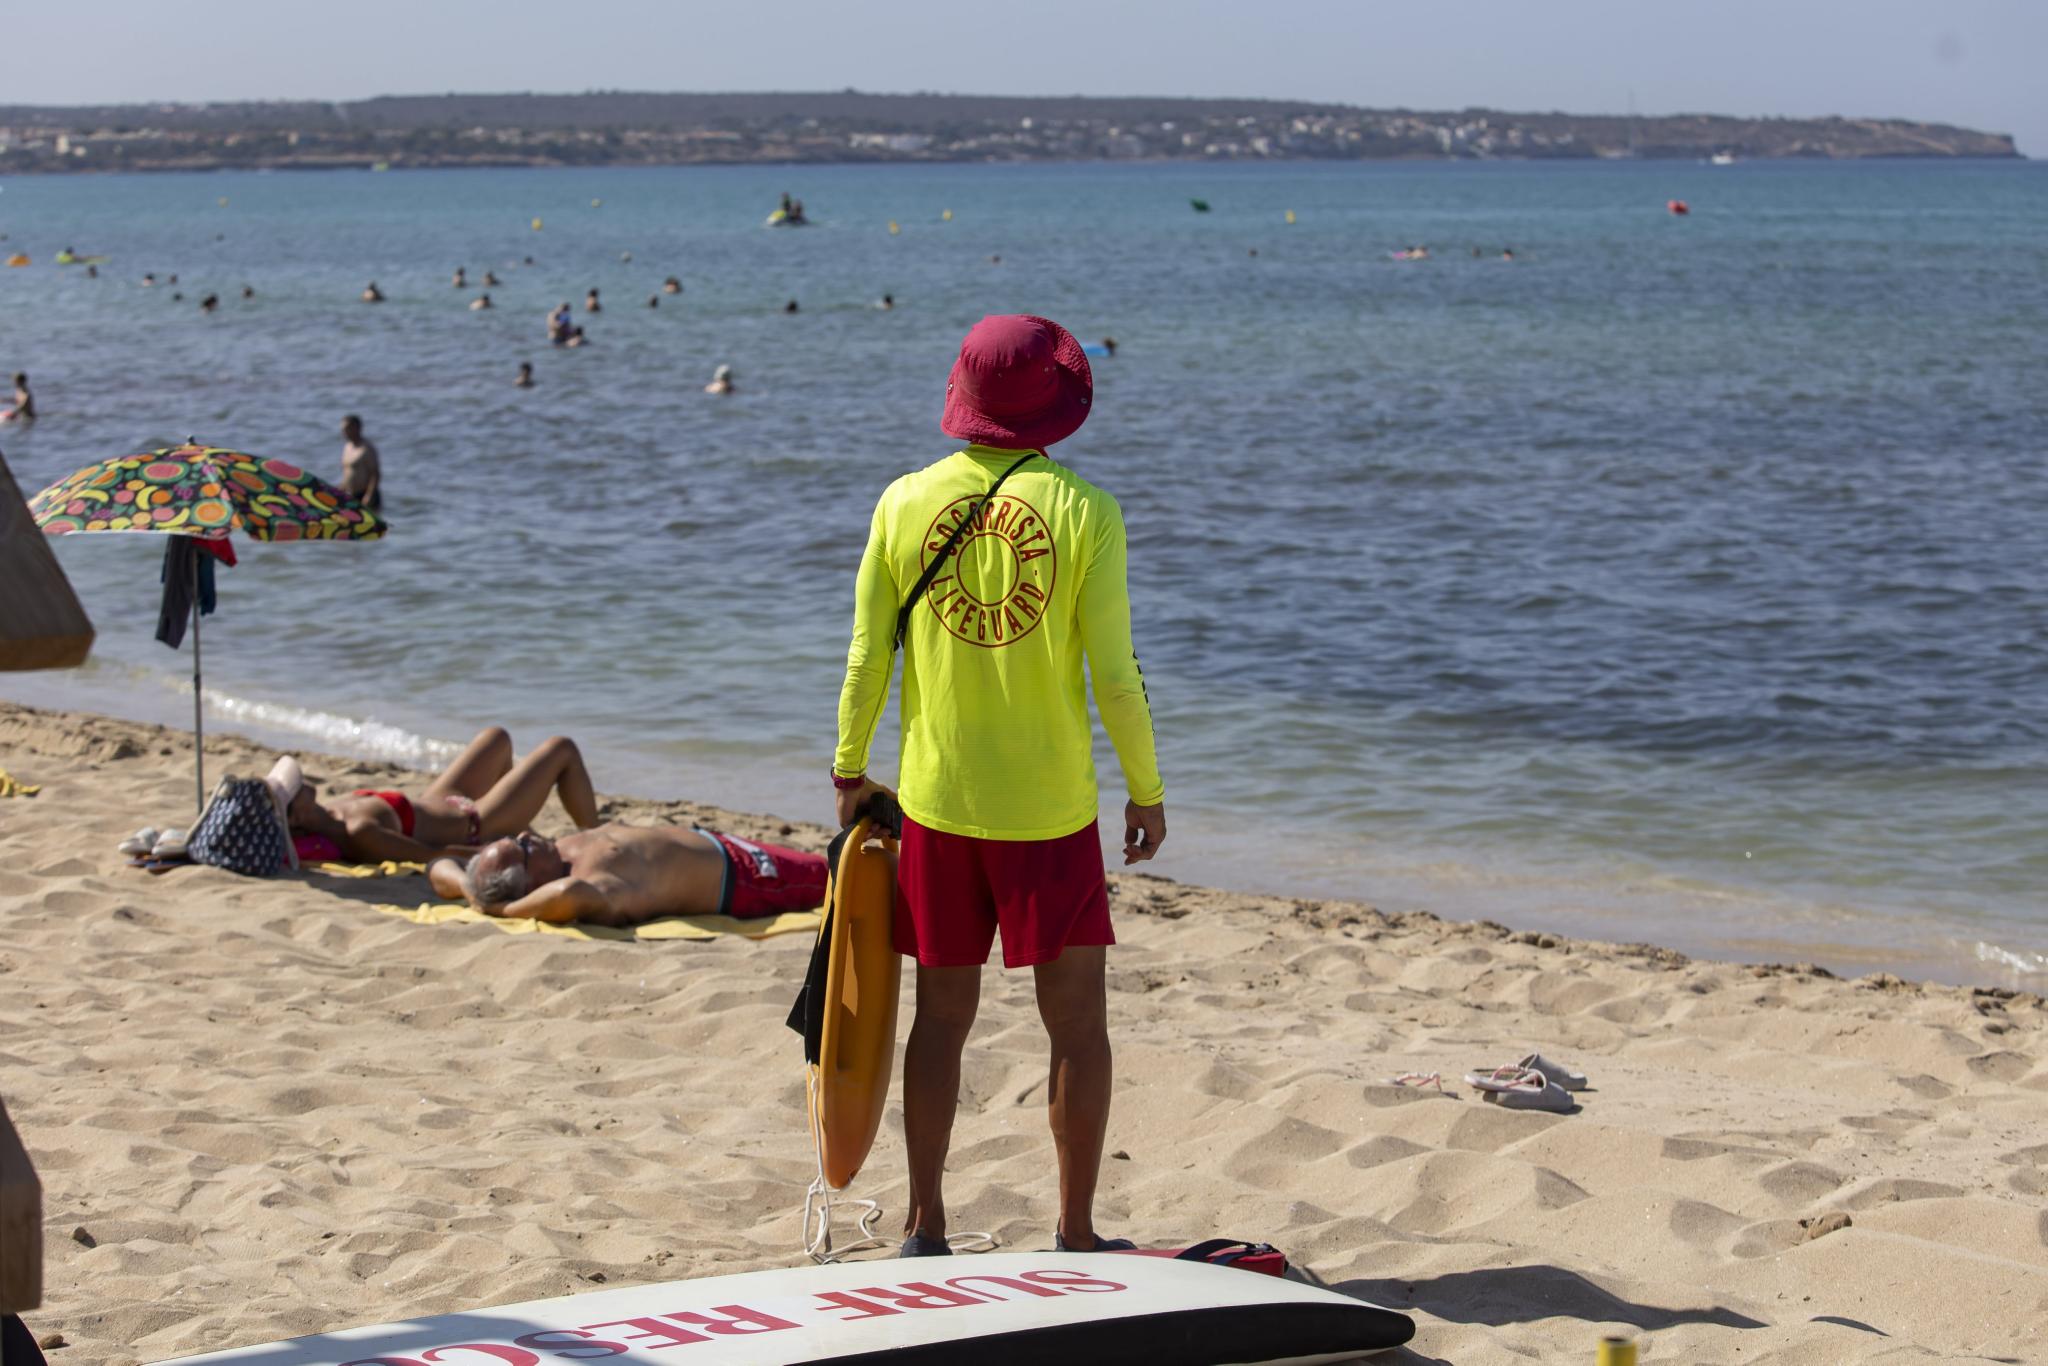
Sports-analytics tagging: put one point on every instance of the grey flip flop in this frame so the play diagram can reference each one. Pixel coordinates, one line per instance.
(1522, 1088)
(1556, 1071)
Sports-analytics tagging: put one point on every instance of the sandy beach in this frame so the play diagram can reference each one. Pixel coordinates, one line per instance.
(262, 1108)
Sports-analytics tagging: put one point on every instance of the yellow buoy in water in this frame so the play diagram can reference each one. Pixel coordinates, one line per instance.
(536, 225)
(1616, 1352)
(597, 203)
(947, 216)
(1290, 215)
(894, 227)
(222, 201)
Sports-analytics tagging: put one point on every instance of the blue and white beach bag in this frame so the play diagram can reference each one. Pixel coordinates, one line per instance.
(242, 830)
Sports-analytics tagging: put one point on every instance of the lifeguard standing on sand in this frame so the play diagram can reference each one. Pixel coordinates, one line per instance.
(998, 570)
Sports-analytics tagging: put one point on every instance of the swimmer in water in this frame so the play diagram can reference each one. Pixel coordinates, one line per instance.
(789, 307)
(558, 324)
(248, 291)
(490, 279)
(886, 302)
(671, 285)
(590, 303)
(461, 280)
(24, 401)
(480, 303)
(149, 279)
(654, 301)
(371, 294)
(92, 272)
(525, 378)
(1507, 253)
(721, 381)
(210, 303)
(1109, 345)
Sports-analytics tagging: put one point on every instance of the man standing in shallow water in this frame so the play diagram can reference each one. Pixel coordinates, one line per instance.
(362, 474)
(1007, 569)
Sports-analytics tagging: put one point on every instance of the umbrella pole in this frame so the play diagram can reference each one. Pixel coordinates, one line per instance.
(198, 702)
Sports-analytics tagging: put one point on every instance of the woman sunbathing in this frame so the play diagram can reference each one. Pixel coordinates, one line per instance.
(483, 796)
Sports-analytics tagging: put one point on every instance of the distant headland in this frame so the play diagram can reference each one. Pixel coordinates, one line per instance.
(629, 129)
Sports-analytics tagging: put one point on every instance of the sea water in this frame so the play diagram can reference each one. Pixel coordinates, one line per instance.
(1683, 579)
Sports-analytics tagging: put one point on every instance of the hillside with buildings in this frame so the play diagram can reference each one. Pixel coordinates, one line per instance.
(850, 126)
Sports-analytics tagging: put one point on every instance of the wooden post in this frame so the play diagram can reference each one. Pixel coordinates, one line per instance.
(41, 624)
(21, 1225)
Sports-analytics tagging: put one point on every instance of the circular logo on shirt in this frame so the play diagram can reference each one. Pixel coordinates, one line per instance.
(997, 583)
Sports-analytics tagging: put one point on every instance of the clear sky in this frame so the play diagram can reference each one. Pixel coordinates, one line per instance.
(1979, 63)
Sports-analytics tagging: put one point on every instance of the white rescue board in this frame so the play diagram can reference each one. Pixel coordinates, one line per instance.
(992, 1309)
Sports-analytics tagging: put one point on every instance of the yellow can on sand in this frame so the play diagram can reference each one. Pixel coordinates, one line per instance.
(1616, 1352)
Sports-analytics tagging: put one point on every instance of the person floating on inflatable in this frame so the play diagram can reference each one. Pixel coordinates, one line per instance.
(996, 572)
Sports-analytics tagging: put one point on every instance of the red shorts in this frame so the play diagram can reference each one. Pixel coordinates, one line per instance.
(767, 879)
(1045, 896)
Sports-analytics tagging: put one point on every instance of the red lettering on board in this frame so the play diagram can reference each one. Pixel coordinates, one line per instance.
(1011, 1281)
(381, 1361)
(653, 1330)
(738, 1320)
(922, 1295)
(494, 1351)
(572, 1350)
(863, 1309)
(1078, 1281)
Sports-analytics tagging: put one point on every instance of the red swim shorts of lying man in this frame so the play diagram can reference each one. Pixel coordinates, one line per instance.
(625, 874)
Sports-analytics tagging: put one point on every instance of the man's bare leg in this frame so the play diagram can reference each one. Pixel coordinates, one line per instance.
(946, 1002)
(1072, 1000)
(556, 766)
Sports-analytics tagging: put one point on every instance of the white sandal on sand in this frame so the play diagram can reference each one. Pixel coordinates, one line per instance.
(1522, 1088)
(139, 843)
(1556, 1071)
(169, 845)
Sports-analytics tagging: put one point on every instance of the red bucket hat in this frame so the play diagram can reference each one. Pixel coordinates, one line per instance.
(1020, 382)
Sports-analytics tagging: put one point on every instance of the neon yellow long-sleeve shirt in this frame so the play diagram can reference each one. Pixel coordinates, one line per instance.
(996, 738)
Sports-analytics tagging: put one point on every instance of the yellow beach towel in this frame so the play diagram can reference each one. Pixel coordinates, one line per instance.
(669, 927)
(10, 788)
(388, 868)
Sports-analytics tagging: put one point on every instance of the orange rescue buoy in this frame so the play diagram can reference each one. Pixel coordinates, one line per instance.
(849, 1085)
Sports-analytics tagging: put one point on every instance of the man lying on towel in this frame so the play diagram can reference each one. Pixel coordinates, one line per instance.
(624, 874)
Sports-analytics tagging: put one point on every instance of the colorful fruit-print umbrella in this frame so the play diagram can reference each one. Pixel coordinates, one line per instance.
(209, 493)
(195, 490)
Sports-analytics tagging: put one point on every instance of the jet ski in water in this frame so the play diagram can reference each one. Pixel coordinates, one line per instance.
(790, 215)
